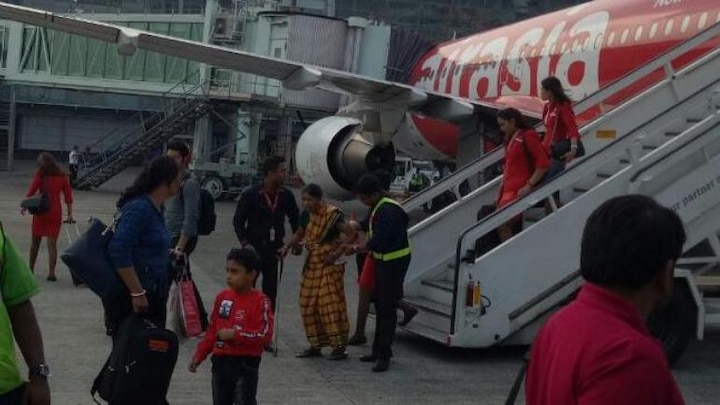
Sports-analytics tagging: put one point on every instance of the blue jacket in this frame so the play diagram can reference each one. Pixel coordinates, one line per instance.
(142, 241)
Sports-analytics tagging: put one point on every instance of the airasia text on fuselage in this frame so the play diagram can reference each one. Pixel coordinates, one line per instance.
(474, 69)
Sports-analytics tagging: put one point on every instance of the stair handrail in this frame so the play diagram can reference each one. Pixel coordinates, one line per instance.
(166, 94)
(139, 130)
(579, 171)
(454, 180)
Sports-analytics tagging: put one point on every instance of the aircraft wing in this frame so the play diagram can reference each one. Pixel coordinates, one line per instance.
(293, 75)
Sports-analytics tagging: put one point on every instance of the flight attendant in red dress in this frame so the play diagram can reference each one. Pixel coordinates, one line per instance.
(526, 162)
(51, 179)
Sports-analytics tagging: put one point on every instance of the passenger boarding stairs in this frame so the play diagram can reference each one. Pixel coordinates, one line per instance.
(183, 105)
(663, 142)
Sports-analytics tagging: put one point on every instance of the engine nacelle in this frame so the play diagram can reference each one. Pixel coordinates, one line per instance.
(333, 153)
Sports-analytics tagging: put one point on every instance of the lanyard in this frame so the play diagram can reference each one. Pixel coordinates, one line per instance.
(271, 204)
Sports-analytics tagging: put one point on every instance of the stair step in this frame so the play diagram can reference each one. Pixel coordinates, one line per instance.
(433, 307)
(442, 284)
(426, 332)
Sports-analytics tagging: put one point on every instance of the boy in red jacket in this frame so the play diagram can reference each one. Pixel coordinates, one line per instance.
(241, 325)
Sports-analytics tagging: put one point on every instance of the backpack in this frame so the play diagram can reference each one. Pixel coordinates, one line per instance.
(140, 366)
(206, 213)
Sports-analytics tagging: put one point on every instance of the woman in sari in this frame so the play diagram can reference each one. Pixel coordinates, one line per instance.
(322, 291)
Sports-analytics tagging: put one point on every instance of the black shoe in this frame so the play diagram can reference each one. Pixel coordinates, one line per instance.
(270, 348)
(368, 358)
(109, 331)
(51, 278)
(357, 340)
(338, 353)
(381, 365)
(309, 352)
(408, 315)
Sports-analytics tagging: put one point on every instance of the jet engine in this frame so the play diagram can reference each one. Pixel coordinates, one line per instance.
(334, 154)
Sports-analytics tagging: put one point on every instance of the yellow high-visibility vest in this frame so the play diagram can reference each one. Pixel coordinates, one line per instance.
(390, 255)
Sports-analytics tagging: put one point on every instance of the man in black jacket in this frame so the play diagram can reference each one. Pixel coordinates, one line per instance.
(260, 221)
(389, 245)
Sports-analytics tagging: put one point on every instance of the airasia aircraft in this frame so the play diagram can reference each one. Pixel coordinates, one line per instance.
(587, 47)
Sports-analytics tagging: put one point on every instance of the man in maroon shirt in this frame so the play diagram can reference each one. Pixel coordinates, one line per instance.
(597, 350)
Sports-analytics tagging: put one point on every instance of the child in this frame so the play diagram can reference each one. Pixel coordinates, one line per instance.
(241, 325)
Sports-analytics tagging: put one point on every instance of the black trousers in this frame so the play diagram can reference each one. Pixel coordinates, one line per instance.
(269, 257)
(389, 278)
(235, 380)
(14, 397)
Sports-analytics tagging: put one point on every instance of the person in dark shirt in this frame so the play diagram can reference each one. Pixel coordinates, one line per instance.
(366, 283)
(140, 248)
(389, 247)
(260, 221)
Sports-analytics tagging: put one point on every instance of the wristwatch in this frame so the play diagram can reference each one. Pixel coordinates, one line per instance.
(40, 370)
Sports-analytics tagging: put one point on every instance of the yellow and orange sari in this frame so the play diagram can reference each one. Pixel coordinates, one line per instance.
(322, 290)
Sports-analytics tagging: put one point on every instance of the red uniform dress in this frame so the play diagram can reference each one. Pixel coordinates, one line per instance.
(598, 351)
(560, 124)
(250, 315)
(48, 224)
(524, 153)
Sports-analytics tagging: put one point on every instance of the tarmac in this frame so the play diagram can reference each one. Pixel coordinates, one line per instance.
(422, 372)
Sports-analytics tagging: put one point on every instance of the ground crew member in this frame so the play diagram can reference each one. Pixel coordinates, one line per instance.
(389, 245)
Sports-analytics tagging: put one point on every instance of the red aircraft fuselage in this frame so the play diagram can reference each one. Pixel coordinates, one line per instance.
(587, 47)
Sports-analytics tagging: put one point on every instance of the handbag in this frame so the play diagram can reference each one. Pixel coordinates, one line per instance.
(190, 310)
(88, 260)
(173, 312)
(558, 149)
(39, 203)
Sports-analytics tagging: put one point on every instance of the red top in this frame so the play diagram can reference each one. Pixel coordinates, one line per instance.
(598, 351)
(523, 155)
(249, 314)
(48, 224)
(566, 124)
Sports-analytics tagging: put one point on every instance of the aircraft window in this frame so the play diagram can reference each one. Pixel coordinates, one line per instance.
(668, 27)
(552, 49)
(624, 37)
(586, 44)
(653, 30)
(702, 21)
(598, 41)
(638, 33)
(685, 24)
(611, 38)
(457, 70)
(543, 51)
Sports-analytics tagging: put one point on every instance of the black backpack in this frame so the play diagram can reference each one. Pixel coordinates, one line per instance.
(140, 366)
(206, 213)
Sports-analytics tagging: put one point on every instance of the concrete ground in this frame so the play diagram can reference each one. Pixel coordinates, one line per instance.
(422, 372)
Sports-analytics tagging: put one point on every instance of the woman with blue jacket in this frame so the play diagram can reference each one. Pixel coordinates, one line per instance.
(140, 248)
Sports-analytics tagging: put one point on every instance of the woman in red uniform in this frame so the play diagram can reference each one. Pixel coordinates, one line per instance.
(559, 120)
(526, 162)
(52, 180)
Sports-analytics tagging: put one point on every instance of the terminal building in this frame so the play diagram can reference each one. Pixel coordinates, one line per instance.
(61, 90)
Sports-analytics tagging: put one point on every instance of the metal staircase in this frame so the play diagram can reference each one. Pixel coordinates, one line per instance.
(663, 142)
(183, 105)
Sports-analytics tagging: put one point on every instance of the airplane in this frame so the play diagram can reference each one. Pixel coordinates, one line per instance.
(462, 81)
